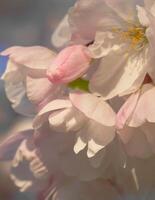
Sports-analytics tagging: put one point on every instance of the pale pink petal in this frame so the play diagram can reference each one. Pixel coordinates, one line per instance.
(15, 90)
(14, 82)
(104, 43)
(71, 63)
(67, 120)
(145, 109)
(98, 131)
(138, 109)
(125, 9)
(127, 110)
(150, 33)
(54, 105)
(38, 90)
(89, 16)
(142, 15)
(94, 108)
(22, 90)
(34, 60)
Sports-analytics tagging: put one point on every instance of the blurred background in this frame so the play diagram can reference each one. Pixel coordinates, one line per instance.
(23, 22)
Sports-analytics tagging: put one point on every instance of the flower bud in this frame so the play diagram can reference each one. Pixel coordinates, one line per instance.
(71, 63)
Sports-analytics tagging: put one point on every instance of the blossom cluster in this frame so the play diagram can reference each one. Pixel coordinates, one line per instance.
(92, 103)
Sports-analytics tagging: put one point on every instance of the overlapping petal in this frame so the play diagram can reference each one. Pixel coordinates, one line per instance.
(124, 72)
(98, 131)
(141, 107)
(34, 60)
(53, 106)
(136, 119)
(25, 78)
(125, 9)
(97, 15)
(89, 117)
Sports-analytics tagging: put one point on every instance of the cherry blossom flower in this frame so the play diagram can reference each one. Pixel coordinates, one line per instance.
(73, 150)
(122, 33)
(91, 122)
(89, 116)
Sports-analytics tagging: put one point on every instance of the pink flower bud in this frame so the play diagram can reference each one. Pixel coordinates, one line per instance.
(71, 63)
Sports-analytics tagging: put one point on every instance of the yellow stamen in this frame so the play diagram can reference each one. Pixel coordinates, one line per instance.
(135, 35)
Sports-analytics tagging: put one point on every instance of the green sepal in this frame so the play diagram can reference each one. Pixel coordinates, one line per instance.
(80, 84)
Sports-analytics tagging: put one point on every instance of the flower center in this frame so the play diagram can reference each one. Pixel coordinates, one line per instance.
(136, 35)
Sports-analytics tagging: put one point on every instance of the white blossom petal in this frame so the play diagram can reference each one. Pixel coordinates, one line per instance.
(33, 60)
(105, 43)
(94, 108)
(62, 34)
(67, 120)
(125, 9)
(97, 15)
(54, 105)
(142, 16)
(36, 94)
(124, 72)
(145, 109)
(98, 131)
(15, 90)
